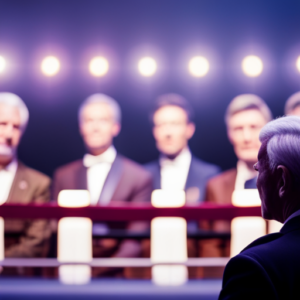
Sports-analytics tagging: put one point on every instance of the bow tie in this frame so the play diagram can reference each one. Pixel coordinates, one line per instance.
(164, 162)
(91, 160)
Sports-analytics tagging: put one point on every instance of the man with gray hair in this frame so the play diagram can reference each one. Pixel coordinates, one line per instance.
(110, 178)
(244, 118)
(292, 105)
(19, 183)
(269, 268)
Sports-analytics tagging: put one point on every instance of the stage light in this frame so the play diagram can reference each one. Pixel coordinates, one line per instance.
(147, 66)
(98, 66)
(252, 66)
(298, 63)
(50, 66)
(198, 66)
(2, 64)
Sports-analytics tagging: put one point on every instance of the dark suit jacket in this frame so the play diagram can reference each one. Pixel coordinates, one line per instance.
(27, 238)
(269, 268)
(127, 182)
(199, 173)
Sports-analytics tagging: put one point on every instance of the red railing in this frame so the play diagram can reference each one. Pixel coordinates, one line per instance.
(127, 213)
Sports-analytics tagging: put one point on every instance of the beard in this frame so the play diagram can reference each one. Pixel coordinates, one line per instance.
(7, 150)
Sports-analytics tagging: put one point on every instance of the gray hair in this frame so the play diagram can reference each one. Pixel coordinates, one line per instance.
(101, 98)
(283, 141)
(247, 101)
(13, 100)
(291, 103)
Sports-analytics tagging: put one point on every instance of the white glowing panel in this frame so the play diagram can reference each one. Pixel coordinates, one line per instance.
(2, 64)
(244, 230)
(1, 238)
(147, 66)
(247, 197)
(74, 198)
(50, 66)
(252, 66)
(199, 66)
(168, 198)
(74, 240)
(98, 66)
(168, 240)
(274, 226)
(298, 63)
(169, 244)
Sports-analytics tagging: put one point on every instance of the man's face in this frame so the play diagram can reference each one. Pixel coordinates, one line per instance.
(267, 185)
(98, 127)
(171, 129)
(243, 130)
(10, 132)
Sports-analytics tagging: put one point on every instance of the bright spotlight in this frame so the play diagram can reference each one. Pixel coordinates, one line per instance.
(252, 66)
(198, 66)
(147, 66)
(2, 64)
(298, 63)
(50, 66)
(98, 66)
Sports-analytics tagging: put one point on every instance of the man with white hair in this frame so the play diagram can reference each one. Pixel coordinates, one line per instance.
(269, 268)
(19, 183)
(292, 105)
(110, 178)
(244, 118)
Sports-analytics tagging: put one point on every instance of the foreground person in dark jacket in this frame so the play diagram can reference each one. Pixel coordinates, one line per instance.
(269, 268)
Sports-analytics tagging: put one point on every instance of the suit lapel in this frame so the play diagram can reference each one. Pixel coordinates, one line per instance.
(19, 185)
(192, 178)
(156, 176)
(81, 178)
(111, 181)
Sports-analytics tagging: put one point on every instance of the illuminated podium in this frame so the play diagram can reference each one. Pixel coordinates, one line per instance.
(74, 239)
(168, 240)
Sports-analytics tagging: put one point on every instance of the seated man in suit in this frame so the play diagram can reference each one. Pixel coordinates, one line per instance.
(20, 184)
(110, 178)
(177, 167)
(269, 268)
(245, 116)
(292, 105)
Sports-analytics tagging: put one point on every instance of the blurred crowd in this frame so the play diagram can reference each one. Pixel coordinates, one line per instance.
(113, 179)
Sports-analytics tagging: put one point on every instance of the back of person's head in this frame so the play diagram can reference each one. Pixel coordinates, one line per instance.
(292, 103)
(245, 102)
(13, 100)
(283, 143)
(102, 98)
(172, 99)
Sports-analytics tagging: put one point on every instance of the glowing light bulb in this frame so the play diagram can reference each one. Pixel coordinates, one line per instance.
(99, 66)
(147, 66)
(198, 66)
(2, 64)
(50, 66)
(252, 66)
(298, 63)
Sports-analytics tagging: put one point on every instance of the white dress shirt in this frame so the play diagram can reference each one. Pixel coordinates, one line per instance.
(7, 176)
(174, 172)
(98, 169)
(243, 174)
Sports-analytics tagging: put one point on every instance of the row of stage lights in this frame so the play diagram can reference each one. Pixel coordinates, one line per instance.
(198, 66)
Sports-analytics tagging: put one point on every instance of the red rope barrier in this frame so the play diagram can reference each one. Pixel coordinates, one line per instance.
(127, 213)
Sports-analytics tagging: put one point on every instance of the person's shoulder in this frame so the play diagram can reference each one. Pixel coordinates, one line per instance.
(33, 175)
(201, 164)
(152, 165)
(69, 167)
(133, 167)
(224, 177)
